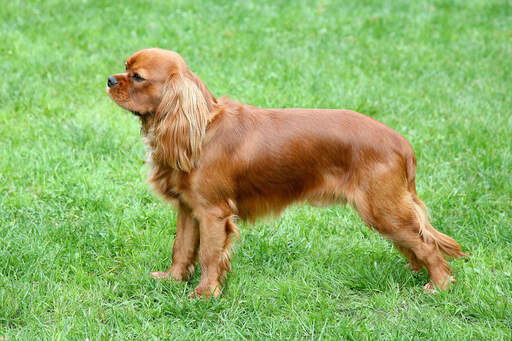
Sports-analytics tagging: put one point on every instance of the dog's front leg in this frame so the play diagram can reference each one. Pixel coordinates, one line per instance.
(214, 256)
(184, 250)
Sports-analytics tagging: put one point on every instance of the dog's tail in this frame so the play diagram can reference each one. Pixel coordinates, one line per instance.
(428, 233)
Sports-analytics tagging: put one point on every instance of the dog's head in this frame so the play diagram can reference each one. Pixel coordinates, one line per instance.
(158, 83)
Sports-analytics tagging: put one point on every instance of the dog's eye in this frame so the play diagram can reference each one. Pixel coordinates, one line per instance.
(137, 77)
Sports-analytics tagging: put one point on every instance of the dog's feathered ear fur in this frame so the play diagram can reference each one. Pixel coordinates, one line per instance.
(181, 121)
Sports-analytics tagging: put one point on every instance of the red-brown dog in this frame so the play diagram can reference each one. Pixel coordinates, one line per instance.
(220, 159)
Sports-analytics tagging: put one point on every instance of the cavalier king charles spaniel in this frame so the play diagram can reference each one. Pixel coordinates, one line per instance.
(220, 159)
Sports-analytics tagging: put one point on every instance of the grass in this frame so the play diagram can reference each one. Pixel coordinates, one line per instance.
(80, 231)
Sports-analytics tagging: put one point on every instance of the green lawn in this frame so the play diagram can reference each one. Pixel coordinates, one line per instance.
(80, 231)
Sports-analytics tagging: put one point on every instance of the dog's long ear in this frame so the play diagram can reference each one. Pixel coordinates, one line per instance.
(181, 121)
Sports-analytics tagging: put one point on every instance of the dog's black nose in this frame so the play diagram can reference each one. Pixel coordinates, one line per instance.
(112, 81)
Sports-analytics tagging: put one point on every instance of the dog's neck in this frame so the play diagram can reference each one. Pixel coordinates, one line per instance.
(146, 122)
(147, 134)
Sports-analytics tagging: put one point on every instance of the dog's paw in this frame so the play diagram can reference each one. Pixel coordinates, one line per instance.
(177, 273)
(160, 275)
(431, 288)
(205, 292)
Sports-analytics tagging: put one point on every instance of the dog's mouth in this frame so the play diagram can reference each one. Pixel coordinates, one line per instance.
(136, 113)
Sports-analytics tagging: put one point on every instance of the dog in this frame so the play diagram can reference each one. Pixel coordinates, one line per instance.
(220, 159)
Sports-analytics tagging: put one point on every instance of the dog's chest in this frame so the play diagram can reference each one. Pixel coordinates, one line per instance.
(149, 143)
(165, 180)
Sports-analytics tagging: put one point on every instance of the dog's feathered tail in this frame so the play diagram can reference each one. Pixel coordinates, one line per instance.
(428, 233)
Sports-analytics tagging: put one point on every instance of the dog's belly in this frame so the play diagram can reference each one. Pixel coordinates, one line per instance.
(254, 200)
(332, 190)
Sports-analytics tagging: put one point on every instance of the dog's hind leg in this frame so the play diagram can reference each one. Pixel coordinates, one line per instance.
(415, 264)
(389, 207)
